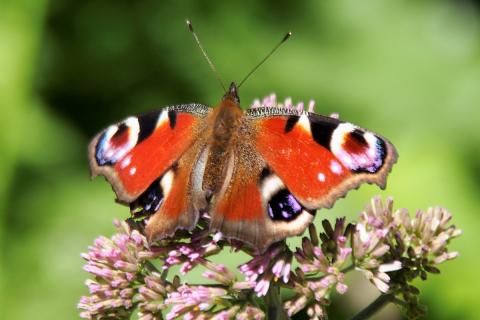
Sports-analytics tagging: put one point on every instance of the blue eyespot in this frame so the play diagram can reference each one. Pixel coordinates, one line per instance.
(284, 206)
(149, 201)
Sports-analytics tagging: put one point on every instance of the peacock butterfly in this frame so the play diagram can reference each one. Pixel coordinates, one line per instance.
(260, 174)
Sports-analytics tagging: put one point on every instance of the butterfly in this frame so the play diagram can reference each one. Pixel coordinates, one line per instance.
(260, 173)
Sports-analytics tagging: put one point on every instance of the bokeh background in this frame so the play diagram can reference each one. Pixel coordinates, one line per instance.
(409, 70)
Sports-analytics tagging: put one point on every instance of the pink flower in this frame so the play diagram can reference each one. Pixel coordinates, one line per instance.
(115, 263)
(270, 101)
(273, 265)
(389, 247)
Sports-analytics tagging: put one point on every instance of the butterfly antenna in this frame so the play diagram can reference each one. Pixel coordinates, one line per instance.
(212, 66)
(285, 38)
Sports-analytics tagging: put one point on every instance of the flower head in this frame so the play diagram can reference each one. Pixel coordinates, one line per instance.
(271, 101)
(151, 297)
(389, 247)
(421, 244)
(201, 243)
(371, 243)
(191, 301)
(115, 264)
(273, 265)
(325, 255)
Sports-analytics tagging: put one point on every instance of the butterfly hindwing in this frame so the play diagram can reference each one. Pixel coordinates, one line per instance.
(319, 158)
(182, 195)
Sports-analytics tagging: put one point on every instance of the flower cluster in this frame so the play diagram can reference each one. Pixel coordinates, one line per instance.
(387, 246)
(371, 243)
(271, 101)
(327, 258)
(152, 295)
(128, 273)
(189, 254)
(115, 264)
(264, 269)
(421, 245)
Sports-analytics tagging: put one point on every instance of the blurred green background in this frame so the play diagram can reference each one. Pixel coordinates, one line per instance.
(409, 70)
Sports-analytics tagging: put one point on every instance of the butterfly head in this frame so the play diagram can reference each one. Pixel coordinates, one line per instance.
(232, 94)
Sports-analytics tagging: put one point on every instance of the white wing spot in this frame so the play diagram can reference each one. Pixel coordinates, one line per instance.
(304, 123)
(162, 119)
(335, 167)
(167, 182)
(126, 162)
(271, 185)
(132, 171)
(321, 177)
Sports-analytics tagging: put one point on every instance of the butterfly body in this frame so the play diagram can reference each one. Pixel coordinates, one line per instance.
(226, 119)
(260, 174)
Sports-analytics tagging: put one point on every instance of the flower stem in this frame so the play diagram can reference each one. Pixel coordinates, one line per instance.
(150, 266)
(374, 307)
(164, 274)
(273, 300)
(348, 269)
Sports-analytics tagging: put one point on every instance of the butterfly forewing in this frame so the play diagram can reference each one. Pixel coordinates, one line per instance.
(320, 158)
(145, 159)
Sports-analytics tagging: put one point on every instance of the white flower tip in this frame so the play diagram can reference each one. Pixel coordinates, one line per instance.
(382, 286)
(453, 255)
(388, 267)
(456, 233)
(256, 104)
(217, 237)
(335, 115)
(262, 288)
(364, 237)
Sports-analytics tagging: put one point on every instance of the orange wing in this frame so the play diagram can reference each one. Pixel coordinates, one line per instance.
(135, 152)
(149, 160)
(320, 158)
(285, 164)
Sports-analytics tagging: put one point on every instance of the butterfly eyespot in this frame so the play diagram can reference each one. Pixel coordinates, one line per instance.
(357, 149)
(355, 142)
(116, 142)
(149, 201)
(284, 206)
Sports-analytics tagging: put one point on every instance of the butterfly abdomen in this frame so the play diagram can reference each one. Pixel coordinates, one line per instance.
(225, 119)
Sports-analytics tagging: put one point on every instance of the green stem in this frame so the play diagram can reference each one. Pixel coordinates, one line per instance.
(150, 266)
(250, 294)
(374, 307)
(164, 274)
(273, 300)
(349, 268)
